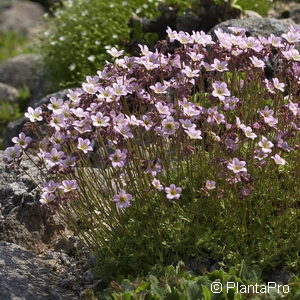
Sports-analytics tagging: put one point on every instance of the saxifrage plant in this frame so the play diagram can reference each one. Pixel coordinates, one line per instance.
(163, 156)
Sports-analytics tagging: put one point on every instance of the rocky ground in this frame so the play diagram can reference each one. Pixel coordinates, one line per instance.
(39, 258)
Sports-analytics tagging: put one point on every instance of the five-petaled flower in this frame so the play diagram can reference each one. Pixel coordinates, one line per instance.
(237, 166)
(122, 199)
(173, 192)
(84, 145)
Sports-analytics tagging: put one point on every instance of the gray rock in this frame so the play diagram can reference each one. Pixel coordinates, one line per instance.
(22, 220)
(15, 127)
(256, 26)
(4, 4)
(45, 100)
(8, 93)
(25, 276)
(22, 17)
(88, 276)
(26, 70)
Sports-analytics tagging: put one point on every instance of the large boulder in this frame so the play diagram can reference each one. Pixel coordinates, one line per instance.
(22, 220)
(256, 26)
(8, 93)
(25, 276)
(26, 70)
(21, 17)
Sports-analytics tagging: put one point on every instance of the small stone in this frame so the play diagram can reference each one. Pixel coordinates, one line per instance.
(88, 276)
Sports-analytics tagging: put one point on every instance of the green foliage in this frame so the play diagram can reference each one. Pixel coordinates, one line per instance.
(78, 36)
(12, 44)
(259, 230)
(260, 6)
(177, 283)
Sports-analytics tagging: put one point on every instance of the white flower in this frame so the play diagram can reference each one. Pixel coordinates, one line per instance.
(278, 160)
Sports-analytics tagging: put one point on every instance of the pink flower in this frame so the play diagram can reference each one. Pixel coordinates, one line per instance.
(118, 158)
(158, 88)
(114, 52)
(210, 184)
(266, 146)
(260, 155)
(249, 133)
(202, 38)
(292, 54)
(187, 124)
(92, 80)
(173, 192)
(194, 134)
(257, 63)
(99, 120)
(294, 108)
(230, 103)
(266, 112)
(12, 153)
(55, 104)
(172, 35)
(57, 138)
(184, 38)
(34, 114)
(195, 56)
(106, 94)
(278, 85)
(237, 166)
(154, 167)
(89, 88)
(22, 140)
(68, 185)
(278, 160)
(49, 187)
(189, 72)
(68, 162)
(292, 36)
(122, 199)
(220, 90)
(84, 145)
(54, 157)
(156, 183)
(74, 95)
(220, 66)
(46, 198)
(275, 41)
(57, 121)
(253, 43)
(119, 90)
(169, 126)
(146, 122)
